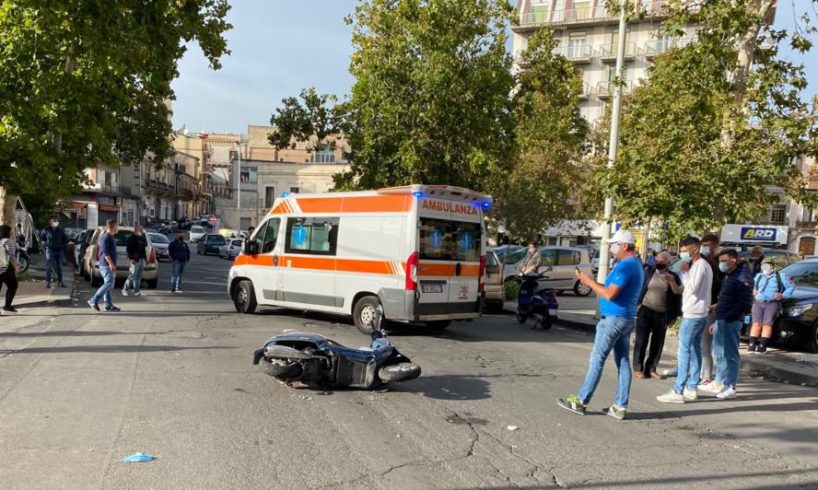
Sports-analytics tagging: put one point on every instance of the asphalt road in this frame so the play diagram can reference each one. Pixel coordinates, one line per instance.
(171, 375)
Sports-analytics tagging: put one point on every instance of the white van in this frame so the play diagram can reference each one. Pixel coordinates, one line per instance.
(418, 251)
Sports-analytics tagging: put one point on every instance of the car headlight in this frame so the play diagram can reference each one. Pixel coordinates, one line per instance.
(798, 310)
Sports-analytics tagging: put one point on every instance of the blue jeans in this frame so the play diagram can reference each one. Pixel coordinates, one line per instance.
(690, 353)
(53, 260)
(612, 333)
(176, 278)
(104, 291)
(727, 335)
(134, 280)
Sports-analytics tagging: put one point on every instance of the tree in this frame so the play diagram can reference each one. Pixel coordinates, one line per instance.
(550, 134)
(312, 121)
(84, 82)
(714, 133)
(430, 103)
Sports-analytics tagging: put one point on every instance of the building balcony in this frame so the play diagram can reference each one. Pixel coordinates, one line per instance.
(655, 47)
(537, 14)
(586, 91)
(607, 52)
(577, 54)
(605, 90)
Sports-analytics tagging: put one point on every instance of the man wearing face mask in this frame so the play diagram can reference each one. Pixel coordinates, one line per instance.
(618, 298)
(659, 306)
(769, 288)
(710, 252)
(697, 279)
(179, 253)
(54, 242)
(532, 262)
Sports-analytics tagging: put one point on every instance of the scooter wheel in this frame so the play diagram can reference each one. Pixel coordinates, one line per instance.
(403, 371)
(521, 318)
(547, 323)
(280, 369)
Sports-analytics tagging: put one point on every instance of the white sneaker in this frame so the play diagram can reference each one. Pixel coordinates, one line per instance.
(178, 291)
(712, 388)
(727, 393)
(124, 292)
(690, 395)
(671, 397)
(137, 293)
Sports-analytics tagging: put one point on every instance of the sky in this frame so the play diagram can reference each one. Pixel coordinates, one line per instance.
(281, 46)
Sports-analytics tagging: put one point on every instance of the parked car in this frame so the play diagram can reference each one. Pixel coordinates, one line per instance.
(231, 248)
(504, 250)
(150, 274)
(798, 322)
(160, 244)
(781, 258)
(564, 262)
(493, 280)
(210, 243)
(196, 233)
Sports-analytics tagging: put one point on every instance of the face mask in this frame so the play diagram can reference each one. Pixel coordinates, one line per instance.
(685, 256)
(532, 250)
(661, 267)
(705, 250)
(724, 266)
(766, 268)
(614, 248)
(54, 224)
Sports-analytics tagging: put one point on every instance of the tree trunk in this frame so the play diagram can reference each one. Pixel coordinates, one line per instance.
(8, 207)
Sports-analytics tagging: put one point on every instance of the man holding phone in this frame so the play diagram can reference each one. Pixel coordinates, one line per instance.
(618, 298)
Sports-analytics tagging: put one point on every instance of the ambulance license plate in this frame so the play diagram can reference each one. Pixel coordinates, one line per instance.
(431, 288)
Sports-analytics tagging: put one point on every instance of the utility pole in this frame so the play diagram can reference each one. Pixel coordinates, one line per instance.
(604, 249)
(238, 193)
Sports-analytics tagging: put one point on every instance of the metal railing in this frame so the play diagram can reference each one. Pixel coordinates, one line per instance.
(606, 88)
(656, 47)
(541, 15)
(608, 51)
(575, 53)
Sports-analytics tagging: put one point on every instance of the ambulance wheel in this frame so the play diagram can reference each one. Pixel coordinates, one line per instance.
(364, 313)
(244, 299)
(439, 325)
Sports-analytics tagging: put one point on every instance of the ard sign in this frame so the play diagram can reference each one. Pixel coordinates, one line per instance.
(747, 233)
(756, 233)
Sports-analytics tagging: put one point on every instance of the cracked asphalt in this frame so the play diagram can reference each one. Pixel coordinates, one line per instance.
(171, 375)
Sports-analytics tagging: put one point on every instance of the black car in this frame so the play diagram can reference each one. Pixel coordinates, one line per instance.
(797, 323)
(209, 244)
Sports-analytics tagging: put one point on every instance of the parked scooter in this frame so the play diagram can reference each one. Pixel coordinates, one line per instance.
(537, 302)
(321, 362)
(23, 258)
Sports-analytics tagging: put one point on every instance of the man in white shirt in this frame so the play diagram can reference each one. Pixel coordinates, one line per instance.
(697, 280)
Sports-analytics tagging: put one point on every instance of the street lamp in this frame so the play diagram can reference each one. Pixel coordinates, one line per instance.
(604, 249)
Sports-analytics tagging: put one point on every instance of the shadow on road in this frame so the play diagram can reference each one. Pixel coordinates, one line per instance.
(109, 349)
(73, 333)
(451, 387)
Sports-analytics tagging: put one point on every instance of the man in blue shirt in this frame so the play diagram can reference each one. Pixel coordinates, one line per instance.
(769, 288)
(618, 299)
(106, 255)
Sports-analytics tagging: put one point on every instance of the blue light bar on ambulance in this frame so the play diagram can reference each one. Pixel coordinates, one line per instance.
(418, 194)
(486, 205)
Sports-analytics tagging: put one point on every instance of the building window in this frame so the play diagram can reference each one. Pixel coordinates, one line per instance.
(269, 196)
(249, 175)
(294, 190)
(778, 214)
(327, 155)
(576, 46)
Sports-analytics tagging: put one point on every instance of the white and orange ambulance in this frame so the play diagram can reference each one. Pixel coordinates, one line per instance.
(418, 251)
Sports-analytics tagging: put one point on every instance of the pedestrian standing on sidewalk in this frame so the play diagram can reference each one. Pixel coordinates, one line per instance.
(106, 257)
(618, 298)
(659, 306)
(769, 288)
(54, 243)
(8, 269)
(710, 251)
(137, 250)
(697, 279)
(179, 253)
(735, 298)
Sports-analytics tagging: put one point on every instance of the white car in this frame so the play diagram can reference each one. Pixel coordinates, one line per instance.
(231, 248)
(196, 233)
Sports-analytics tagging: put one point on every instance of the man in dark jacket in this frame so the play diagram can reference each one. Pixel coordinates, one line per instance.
(735, 298)
(179, 253)
(54, 243)
(137, 251)
(660, 304)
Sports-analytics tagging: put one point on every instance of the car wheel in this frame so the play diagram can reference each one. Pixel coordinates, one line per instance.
(364, 313)
(244, 299)
(581, 289)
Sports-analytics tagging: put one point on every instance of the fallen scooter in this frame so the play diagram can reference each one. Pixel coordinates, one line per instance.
(536, 302)
(320, 362)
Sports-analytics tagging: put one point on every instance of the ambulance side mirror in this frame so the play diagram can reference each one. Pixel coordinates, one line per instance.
(251, 247)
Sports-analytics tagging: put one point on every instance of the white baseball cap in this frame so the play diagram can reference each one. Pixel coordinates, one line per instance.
(623, 236)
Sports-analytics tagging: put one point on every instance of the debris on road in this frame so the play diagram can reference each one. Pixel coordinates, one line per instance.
(138, 458)
(512, 428)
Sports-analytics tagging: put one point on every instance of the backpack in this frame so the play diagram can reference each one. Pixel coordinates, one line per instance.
(4, 255)
(778, 281)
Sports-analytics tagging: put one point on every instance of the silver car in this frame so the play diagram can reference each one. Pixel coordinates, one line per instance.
(231, 249)
(564, 262)
(90, 262)
(160, 244)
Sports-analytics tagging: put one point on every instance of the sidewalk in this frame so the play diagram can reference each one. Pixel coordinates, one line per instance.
(32, 291)
(789, 366)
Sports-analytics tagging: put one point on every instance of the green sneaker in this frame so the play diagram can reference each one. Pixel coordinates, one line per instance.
(616, 412)
(572, 403)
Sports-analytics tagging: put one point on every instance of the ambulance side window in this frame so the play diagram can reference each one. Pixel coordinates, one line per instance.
(315, 236)
(270, 235)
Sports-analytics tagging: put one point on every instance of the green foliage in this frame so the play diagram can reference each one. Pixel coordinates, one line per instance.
(430, 103)
(545, 184)
(511, 290)
(85, 82)
(312, 120)
(717, 127)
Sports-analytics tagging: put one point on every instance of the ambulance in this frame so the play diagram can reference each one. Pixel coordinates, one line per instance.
(417, 251)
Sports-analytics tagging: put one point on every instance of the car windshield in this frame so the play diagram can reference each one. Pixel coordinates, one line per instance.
(157, 238)
(237, 243)
(196, 229)
(516, 256)
(121, 237)
(802, 273)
